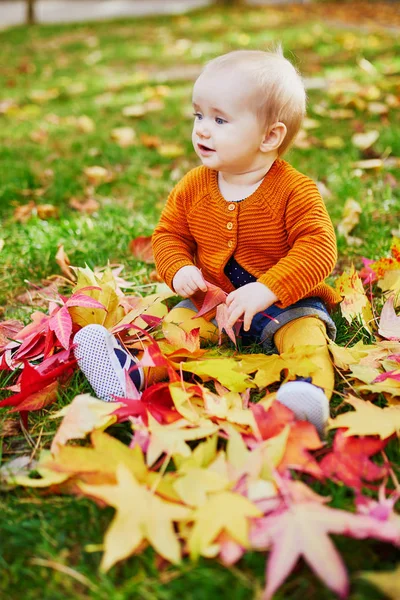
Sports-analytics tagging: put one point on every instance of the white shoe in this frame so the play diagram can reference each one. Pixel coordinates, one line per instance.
(104, 361)
(307, 401)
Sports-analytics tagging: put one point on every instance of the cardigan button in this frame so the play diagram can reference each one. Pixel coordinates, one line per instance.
(230, 244)
(231, 206)
(229, 225)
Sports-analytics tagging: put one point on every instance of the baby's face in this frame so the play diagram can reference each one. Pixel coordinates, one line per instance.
(226, 133)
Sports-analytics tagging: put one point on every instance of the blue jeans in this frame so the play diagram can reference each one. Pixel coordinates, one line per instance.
(263, 329)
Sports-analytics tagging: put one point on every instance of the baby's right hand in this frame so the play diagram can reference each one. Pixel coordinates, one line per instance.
(188, 280)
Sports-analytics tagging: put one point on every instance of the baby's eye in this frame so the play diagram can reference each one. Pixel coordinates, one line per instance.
(198, 115)
(220, 121)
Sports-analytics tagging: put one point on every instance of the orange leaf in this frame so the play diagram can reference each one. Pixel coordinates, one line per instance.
(38, 400)
(141, 249)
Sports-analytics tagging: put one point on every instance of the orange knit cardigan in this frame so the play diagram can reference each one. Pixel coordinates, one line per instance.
(281, 234)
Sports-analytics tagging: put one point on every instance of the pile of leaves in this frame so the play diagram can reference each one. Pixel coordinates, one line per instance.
(216, 466)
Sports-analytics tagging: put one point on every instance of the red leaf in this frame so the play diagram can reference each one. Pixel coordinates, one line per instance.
(141, 249)
(153, 357)
(31, 347)
(271, 422)
(213, 298)
(31, 381)
(132, 408)
(302, 437)
(156, 399)
(38, 400)
(349, 461)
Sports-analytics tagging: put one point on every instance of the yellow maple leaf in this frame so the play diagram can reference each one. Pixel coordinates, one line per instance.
(223, 511)
(228, 407)
(387, 582)
(106, 295)
(268, 367)
(225, 370)
(140, 516)
(261, 461)
(81, 416)
(201, 456)
(368, 419)
(102, 459)
(21, 476)
(355, 303)
(391, 263)
(171, 439)
(186, 404)
(194, 484)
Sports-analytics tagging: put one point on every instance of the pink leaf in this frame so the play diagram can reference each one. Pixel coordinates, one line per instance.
(389, 375)
(222, 318)
(85, 301)
(61, 323)
(389, 324)
(302, 529)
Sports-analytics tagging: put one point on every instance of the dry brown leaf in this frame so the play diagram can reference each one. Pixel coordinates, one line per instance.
(154, 276)
(44, 211)
(24, 212)
(365, 140)
(41, 96)
(64, 263)
(135, 110)
(9, 427)
(302, 141)
(378, 108)
(341, 113)
(323, 190)
(333, 142)
(38, 296)
(350, 217)
(39, 136)
(47, 211)
(97, 175)
(371, 163)
(308, 123)
(171, 150)
(124, 136)
(150, 141)
(84, 205)
(85, 124)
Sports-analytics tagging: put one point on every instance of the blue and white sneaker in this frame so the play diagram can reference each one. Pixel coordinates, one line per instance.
(105, 362)
(307, 401)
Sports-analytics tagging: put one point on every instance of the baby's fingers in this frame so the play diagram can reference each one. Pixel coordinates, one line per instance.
(235, 315)
(199, 282)
(248, 317)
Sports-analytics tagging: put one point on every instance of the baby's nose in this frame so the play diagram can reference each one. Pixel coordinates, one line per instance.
(202, 129)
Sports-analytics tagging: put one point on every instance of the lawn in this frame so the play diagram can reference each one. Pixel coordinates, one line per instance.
(117, 95)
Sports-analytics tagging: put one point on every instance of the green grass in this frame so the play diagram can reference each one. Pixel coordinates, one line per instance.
(97, 70)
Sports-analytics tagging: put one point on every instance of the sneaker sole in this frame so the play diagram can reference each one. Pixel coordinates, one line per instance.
(97, 360)
(307, 402)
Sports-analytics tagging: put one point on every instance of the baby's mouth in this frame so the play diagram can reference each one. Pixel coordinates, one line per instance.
(205, 148)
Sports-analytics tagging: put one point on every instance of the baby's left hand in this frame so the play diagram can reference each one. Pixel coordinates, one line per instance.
(248, 300)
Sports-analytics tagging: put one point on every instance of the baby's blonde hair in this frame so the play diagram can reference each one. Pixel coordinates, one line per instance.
(279, 89)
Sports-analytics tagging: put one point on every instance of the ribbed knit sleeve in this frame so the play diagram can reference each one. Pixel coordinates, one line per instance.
(173, 244)
(311, 239)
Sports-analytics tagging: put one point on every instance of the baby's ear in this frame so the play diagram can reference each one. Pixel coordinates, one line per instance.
(274, 137)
